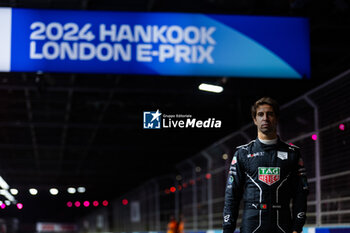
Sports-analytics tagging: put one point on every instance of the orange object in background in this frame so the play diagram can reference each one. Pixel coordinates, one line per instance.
(172, 225)
(180, 228)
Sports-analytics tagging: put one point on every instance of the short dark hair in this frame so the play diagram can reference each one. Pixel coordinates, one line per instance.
(266, 100)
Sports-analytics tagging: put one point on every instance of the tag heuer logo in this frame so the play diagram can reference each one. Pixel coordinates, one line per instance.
(269, 175)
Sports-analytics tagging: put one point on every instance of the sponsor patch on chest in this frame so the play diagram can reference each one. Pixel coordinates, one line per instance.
(255, 154)
(269, 175)
(282, 155)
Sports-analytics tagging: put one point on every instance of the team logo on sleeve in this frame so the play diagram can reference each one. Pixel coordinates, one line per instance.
(226, 218)
(269, 175)
(234, 160)
(230, 180)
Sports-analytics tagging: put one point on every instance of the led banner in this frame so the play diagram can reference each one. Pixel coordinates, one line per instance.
(153, 43)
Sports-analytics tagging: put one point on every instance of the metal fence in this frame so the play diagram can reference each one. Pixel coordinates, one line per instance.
(318, 122)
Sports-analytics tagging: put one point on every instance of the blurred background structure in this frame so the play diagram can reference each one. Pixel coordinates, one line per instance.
(84, 131)
(320, 127)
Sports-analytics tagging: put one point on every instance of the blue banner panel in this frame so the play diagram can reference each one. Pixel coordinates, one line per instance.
(159, 44)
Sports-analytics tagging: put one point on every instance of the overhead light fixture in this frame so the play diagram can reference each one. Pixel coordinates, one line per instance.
(33, 191)
(54, 191)
(71, 190)
(210, 88)
(6, 194)
(3, 184)
(81, 189)
(14, 191)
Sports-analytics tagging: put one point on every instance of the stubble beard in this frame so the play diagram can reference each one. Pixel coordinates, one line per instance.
(269, 131)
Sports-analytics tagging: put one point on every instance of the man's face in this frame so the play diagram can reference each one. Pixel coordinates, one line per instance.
(265, 119)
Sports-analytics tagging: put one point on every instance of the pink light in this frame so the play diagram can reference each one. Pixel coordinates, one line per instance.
(125, 201)
(314, 137)
(208, 176)
(95, 203)
(86, 203)
(3, 206)
(342, 127)
(77, 204)
(19, 206)
(69, 204)
(105, 203)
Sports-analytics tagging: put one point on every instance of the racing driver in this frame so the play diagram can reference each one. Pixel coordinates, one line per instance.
(270, 175)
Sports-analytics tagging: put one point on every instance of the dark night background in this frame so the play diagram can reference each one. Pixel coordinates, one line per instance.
(61, 130)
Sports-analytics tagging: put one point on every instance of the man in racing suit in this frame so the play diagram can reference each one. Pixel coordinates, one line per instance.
(268, 173)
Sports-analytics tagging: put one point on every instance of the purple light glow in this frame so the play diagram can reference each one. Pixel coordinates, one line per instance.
(314, 137)
(86, 203)
(19, 206)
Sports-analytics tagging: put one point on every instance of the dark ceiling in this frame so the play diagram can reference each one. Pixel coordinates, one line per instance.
(86, 129)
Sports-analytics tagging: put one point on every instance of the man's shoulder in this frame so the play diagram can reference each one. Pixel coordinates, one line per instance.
(243, 150)
(245, 147)
(290, 146)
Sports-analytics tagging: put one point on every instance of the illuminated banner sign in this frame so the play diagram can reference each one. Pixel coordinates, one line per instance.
(153, 43)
